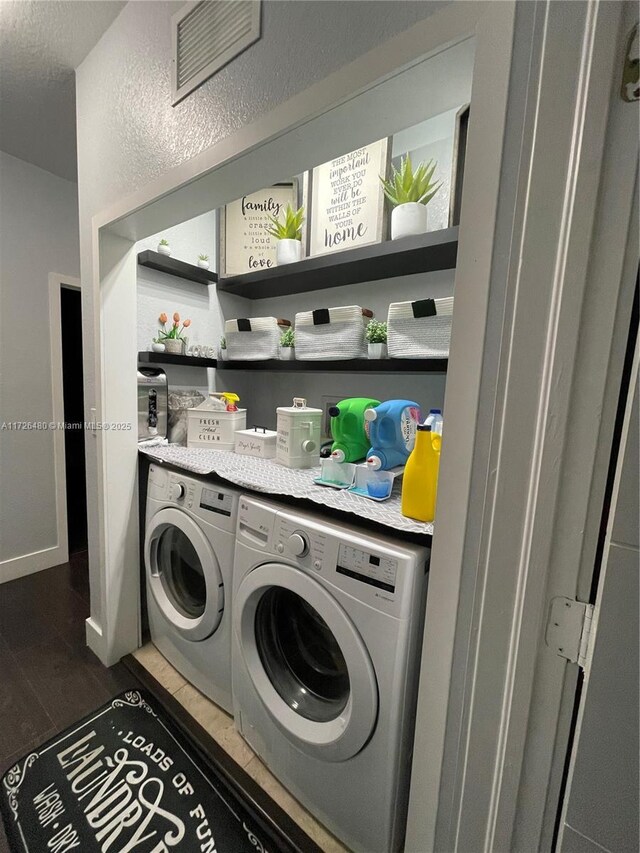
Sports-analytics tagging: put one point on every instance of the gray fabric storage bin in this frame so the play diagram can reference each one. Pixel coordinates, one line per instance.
(254, 339)
(328, 334)
(420, 329)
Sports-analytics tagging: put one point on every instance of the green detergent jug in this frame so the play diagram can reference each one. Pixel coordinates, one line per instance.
(349, 429)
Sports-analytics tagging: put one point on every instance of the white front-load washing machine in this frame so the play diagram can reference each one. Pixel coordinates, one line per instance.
(188, 554)
(327, 628)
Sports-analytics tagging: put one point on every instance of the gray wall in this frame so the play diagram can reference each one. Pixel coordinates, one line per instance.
(603, 805)
(38, 235)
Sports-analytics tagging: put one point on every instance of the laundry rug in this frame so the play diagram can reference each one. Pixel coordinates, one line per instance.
(125, 779)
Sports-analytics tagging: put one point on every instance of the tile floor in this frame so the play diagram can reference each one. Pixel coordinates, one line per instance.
(220, 726)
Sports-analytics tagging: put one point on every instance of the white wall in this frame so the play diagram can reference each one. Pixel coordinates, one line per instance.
(38, 235)
(129, 134)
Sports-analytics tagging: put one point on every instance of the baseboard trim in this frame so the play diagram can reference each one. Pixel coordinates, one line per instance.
(95, 639)
(37, 561)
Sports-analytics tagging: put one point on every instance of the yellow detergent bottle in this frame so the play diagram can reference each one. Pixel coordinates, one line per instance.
(420, 479)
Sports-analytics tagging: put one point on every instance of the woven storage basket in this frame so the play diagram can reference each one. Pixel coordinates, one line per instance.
(256, 339)
(420, 329)
(332, 333)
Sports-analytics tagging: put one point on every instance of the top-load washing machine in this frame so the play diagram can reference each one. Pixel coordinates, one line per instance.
(327, 629)
(188, 554)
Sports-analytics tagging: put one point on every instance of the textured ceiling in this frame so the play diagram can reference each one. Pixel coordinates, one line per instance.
(41, 43)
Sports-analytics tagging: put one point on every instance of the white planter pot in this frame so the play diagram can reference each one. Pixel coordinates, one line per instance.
(157, 347)
(174, 347)
(164, 250)
(287, 353)
(203, 264)
(224, 354)
(377, 350)
(288, 252)
(408, 219)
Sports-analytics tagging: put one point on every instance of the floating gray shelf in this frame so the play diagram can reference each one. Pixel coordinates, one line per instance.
(171, 266)
(435, 250)
(356, 365)
(170, 358)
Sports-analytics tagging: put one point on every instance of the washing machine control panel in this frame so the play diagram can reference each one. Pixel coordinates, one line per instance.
(216, 501)
(370, 568)
(293, 541)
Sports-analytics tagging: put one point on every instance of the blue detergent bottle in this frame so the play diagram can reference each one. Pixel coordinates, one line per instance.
(392, 431)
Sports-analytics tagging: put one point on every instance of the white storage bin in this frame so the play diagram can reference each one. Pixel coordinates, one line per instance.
(332, 333)
(255, 339)
(420, 329)
(298, 444)
(258, 442)
(214, 430)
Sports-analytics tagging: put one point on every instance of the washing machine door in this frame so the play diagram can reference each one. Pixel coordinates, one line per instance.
(307, 661)
(183, 574)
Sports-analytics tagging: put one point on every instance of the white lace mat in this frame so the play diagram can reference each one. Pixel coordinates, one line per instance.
(264, 475)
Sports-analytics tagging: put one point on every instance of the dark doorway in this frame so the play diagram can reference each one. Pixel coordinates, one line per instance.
(73, 391)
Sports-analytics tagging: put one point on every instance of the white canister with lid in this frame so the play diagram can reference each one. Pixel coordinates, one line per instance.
(298, 443)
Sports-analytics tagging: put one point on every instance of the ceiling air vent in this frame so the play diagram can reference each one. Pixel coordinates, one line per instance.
(206, 36)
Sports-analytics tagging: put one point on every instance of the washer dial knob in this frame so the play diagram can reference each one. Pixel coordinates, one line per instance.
(297, 545)
(178, 491)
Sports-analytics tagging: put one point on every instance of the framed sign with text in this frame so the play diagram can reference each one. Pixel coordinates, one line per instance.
(245, 245)
(347, 202)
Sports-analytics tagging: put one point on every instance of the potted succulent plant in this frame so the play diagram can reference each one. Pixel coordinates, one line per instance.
(410, 192)
(224, 355)
(376, 334)
(174, 340)
(287, 345)
(288, 234)
(157, 345)
(203, 261)
(163, 247)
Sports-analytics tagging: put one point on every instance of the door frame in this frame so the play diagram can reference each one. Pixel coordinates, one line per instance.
(56, 283)
(562, 293)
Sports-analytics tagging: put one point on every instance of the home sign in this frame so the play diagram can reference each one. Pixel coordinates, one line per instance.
(347, 201)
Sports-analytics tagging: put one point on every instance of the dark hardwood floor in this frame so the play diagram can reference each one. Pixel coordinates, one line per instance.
(48, 677)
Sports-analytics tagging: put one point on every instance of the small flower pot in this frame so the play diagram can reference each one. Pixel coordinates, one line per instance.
(164, 250)
(224, 354)
(175, 347)
(288, 252)
(408, 219)
(157, 347)
(377, 350)
(287, 353)
(203, 264)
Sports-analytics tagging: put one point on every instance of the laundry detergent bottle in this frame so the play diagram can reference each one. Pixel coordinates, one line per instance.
(420, 480)
(434, 420)
(349, 429)
(392, 433)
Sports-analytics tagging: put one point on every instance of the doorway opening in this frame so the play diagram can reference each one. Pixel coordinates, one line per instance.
(74, 420)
